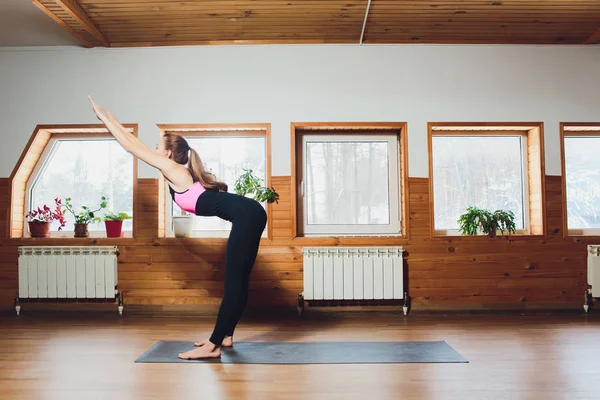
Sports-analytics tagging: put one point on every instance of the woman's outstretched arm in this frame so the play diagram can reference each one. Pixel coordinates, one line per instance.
(174, 172)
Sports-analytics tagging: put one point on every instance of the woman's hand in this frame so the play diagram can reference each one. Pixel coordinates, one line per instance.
(123, 136)
(105, 116)
(114, 126)
(101, 112)
(174, 172)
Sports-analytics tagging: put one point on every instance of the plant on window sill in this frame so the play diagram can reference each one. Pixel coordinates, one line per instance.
(476, 221)
(113, 223)
(39, 220)
(83, 217)
(247, 183)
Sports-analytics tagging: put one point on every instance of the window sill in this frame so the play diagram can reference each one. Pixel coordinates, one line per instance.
(381, 240)
(61, 237)
(207, 235)
(487, 237)
(583, 233)
(198, 241)
(355, 235)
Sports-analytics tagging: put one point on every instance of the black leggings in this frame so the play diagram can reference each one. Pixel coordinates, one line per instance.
(248, 218)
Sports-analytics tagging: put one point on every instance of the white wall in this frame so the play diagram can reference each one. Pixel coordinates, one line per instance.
(281, 84)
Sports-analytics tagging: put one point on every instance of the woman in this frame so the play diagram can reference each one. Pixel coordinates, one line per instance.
(197, 191)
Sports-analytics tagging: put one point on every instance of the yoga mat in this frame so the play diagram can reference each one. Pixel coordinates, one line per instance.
(311, 353)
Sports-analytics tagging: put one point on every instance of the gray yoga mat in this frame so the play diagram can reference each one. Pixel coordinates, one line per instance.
(311, 353)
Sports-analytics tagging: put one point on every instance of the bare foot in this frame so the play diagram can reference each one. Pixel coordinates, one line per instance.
(208, 351)
(227, 342)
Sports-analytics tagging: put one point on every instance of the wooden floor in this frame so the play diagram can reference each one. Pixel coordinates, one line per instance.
(511, 357)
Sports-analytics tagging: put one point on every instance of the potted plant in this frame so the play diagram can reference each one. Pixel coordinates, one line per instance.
(83, 217)
(39, 220)
(470, 223)
(480, 221)
(183, 224)
(113, 223)
(247, 183)
(503, 221)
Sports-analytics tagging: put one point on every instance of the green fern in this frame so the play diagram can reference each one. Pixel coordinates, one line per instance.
(490, 223)
(470, 221)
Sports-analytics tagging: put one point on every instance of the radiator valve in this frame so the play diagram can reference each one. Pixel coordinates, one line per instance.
(17, 304)
(406, 305)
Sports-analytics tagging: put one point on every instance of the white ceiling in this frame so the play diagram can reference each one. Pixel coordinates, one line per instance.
(23, 24)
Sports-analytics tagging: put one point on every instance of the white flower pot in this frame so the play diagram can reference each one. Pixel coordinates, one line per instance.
(183, 225)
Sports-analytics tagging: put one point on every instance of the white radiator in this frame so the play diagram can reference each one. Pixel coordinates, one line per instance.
(351, 273)
(70, 272)
(593, 269)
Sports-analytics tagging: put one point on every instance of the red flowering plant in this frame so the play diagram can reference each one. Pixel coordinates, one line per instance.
(46, 214)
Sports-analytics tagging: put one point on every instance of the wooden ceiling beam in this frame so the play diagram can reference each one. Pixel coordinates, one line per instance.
(60, 22)
(73, 8)
(146, 43)
(594, 38)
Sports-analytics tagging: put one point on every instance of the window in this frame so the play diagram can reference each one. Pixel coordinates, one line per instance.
(83, 162)
(349, 182)
(491, 168)
(485, 171)
(581, 166)
(226, 152)
(84, 170)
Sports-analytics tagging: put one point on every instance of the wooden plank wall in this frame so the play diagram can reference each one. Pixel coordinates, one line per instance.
(479, 272)
(534, 167)
(466, 273)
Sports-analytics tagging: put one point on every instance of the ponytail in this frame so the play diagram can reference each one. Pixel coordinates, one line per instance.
(199, 174)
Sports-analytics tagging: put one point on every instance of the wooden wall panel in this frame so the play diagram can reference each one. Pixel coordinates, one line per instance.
(147, 209)
(462, 273)
(481, 272)
(281, 217)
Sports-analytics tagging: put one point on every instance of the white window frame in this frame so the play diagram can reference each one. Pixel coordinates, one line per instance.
(169, 231)
(525, 181)
(394, 228)
(41, 165)
(583, 231)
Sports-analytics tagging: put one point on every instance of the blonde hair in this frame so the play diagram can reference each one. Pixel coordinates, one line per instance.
(182, 153)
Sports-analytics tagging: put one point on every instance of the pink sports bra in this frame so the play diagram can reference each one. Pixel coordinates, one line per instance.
(187, 200)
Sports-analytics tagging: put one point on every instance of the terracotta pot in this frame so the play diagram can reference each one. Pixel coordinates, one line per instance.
(113, 228)
(39, 229)
(81, 230)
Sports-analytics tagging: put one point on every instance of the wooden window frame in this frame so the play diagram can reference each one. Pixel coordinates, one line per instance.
(535, 187)
(29, 163)
(298, 130)
(219, 130)
(570, 129)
